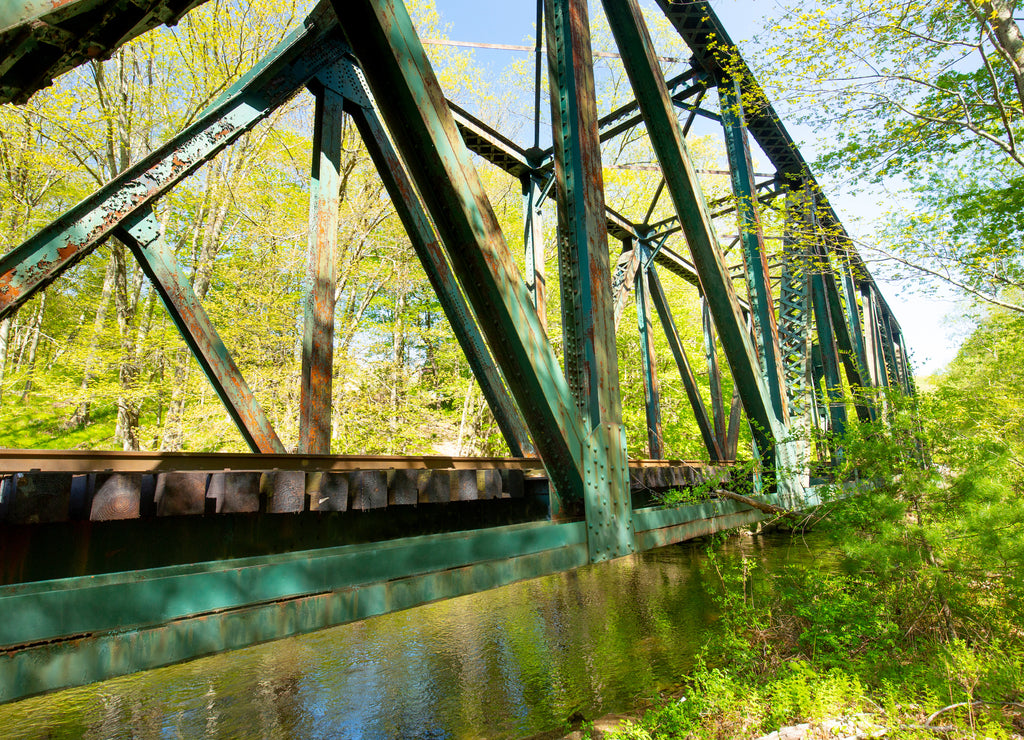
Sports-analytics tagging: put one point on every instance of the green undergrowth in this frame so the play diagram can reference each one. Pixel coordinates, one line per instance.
(42, 424)
(915, 602)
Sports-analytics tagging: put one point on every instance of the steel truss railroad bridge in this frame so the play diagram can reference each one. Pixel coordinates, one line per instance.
(118, 562)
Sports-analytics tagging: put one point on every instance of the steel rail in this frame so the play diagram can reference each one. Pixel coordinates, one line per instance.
(102, 461)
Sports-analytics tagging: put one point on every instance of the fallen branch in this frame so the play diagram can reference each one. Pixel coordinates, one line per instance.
(759, 505)
(935, 715)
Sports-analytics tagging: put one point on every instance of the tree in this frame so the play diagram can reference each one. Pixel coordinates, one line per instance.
(925, 97)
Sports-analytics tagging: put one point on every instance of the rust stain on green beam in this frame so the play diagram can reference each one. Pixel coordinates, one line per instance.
(417, 114)
(321, 275)
(38, 261)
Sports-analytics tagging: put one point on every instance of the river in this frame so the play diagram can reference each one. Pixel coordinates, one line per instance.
(506, 663)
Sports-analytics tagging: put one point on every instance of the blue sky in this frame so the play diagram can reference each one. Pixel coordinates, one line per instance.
(931, 335)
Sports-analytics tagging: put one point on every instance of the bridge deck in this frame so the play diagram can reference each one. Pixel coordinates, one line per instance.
(226, 551)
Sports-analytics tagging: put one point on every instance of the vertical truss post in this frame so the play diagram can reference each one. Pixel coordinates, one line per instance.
(823, 321)
(533, 242)
(794, 302)
(588, 324)
(431, 254)
(795, 323)
(142, 233)
(413, 106)
(658, 112)
(683, 363)
(714, 375)
(652, 392)
(871, 347)
(755, 261)
(732, 440)
(321, 275)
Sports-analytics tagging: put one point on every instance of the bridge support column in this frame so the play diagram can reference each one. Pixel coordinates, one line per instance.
(321, 275)
(652, 391)
(588, 323)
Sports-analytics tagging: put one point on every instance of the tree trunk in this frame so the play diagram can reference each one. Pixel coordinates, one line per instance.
(128, 283)
(80, 416)
(5, 334)
(37, 327)
(999, 17)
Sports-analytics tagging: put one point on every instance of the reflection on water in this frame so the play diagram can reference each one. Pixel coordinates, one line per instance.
(501, 664)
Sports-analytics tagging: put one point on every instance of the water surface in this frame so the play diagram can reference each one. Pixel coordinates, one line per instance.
(506, 663)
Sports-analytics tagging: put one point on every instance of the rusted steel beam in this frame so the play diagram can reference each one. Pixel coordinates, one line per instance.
(431, 254)
(42, 39)
(321, 275)
(641, 65)
(418, 117)
(38, 261)
(714, 374)
(668, 324)
(652, 389)
(533, 241)
(141, 232)
(588, 321)
(624, 277)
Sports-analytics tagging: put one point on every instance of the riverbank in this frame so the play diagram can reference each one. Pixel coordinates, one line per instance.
(801, 705)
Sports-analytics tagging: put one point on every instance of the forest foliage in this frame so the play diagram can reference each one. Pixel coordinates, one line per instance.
(95, 362)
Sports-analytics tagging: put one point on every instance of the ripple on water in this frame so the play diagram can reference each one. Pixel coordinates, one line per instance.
(505, 663)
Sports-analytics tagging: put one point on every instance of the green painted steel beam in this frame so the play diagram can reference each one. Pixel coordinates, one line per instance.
(432, 256)
(641, 65)
(533, 243)
(652, 390)
(418, 118)
(668, 325)
(588, 321)
(714, 374)
(49, 610)
(755, 260)
(38, 261)
(96, 656)
(823, 322)
(143, 234)
(321, 275)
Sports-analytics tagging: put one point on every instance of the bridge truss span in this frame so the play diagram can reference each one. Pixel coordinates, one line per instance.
(269, 543)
